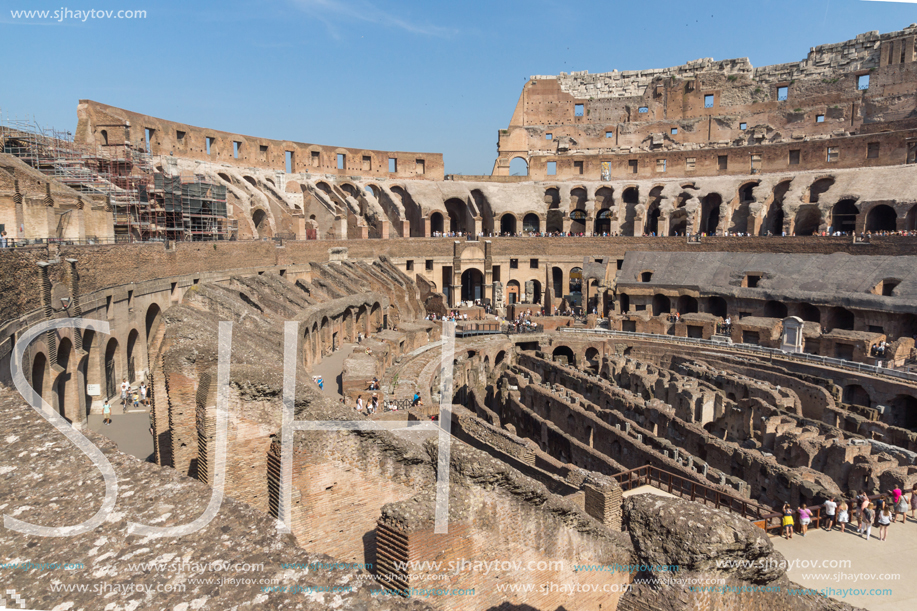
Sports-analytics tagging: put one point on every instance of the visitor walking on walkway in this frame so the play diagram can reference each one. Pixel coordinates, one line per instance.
(913, 502)
(125, 386)
(901, 506)
(106, 412)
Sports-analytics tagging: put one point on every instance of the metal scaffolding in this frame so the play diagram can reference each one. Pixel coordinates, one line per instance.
(146, 205)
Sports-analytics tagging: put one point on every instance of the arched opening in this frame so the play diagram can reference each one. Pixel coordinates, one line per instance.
(854, 394)
(260, 221)
(603, 222)
(775, 215)
(536, 291)
(500, 356)
(132, 356)
(710, 213)
(808, 218)
(687, 305)
(152, 322)
(818, 188)
(809, 312)
(472, 285)
(592, 358)
(83, 367)
(881, 218)
(436, 223)
(576, 281)
(557, 279)
(775, 309)
(39, 371)
(554, 223)
(661, 305)
(508, 224)
(512, 292)
(652, 219)
(631, 197)
(65, 386)
(844, 216)
(563, 354)
(347, 325)
(840, 318)
(375, 318)
(717, 306)
(747, 193)
(531, 223)
(518, 166)
(458, 213)
(604, 198)
(112, 369)
(903, 412)
(578, 221)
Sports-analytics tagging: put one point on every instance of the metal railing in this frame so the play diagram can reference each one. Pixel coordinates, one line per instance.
(772, 352)
(681, 486)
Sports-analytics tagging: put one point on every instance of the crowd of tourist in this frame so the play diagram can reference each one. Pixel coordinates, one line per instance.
(862, 236)
(879, 512)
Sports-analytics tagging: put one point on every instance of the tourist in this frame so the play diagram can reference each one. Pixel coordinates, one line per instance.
(830, 508)
(143, 391)
(125, 386)
(805, 516)
(359, 403)
(416, 398)
(901, 506)
(881, 503)
(3, 241)
(869, 516)
(136, 404)
(842, 516)
(861, 502)
(885, 518)
(106, 412)
(374, 404)
(914, 502)
(787, 521)
(321, 383)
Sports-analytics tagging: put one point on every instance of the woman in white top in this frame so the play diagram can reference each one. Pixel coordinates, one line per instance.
(885, 518)
(360, 403)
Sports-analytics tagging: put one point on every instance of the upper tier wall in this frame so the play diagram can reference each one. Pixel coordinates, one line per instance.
(101, 125)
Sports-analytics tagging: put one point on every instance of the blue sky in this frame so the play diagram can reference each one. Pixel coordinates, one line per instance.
(413, 76)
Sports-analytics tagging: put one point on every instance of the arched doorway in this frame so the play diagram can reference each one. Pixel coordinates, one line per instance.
(436, 223)
(592, 358)
(65, 386)
(152, 322)
(710, 213)
(458, 215)
(261, 223)
(840, 318)
(775, 309)
(844, 216)
(512, 292)
(536, 291)
(472, 285)
(576, 281)
(881, 218)
(39, 373)
(508, 224)
(557, 280)
(819, 187)
(809, 312)
(661, 305)
(631, 197)
(578, 221)
(718, 307)
(112, 369)
(808, 219)
(603, 222)
(132, 356)
(854, 394)
(531, 223)
(775, 215)
(555, 217)
(687, 305)
(564, 354)
(903, 412)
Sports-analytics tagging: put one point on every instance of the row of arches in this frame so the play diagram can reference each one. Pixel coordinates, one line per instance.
(324, 336)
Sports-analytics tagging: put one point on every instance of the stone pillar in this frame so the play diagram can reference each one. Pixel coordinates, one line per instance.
(603, 500)
(384, 228)
(547, 295)
(426, 227)
(456, 293)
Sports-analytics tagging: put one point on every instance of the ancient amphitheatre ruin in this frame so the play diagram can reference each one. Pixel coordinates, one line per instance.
(705, 285)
